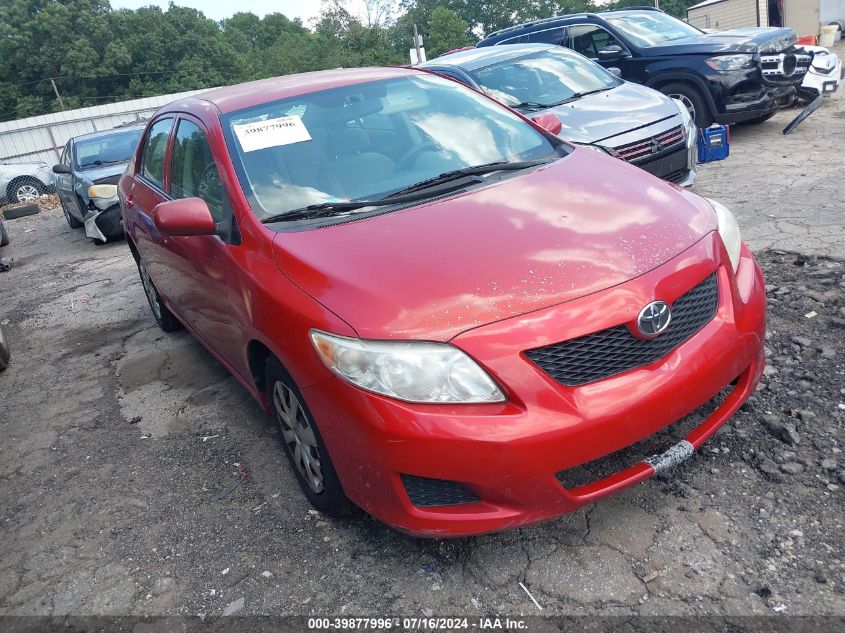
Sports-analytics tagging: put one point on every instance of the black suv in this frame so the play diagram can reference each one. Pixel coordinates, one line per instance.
(744, 75)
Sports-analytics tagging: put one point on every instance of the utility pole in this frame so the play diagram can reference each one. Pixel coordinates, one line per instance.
(58, 96)
(417, 44)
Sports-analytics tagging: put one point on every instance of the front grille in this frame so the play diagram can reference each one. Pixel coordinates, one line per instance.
(676, 176)
(425, 492)
(784, 67)
(615, 350)
(641, 150)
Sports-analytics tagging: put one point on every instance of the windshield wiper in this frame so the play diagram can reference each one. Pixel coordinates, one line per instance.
(444, 182)
(529, 105)
(477, 170)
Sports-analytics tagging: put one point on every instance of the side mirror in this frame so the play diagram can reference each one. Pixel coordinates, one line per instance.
(61, 169)
(188, 216)
(611, 52)
(548, 122)
(616, 72)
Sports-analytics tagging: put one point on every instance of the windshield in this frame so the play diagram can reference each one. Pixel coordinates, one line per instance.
(650, 28)
(105, 150)
(367, 140)
(544, 78)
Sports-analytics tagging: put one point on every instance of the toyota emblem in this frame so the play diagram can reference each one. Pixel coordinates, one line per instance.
(654, 318)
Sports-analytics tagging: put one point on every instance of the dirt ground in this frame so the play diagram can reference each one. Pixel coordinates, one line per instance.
(122, 486)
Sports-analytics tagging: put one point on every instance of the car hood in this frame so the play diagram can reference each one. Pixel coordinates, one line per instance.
(604, 115)
(109, 173)
(579, 225)
(749, 40)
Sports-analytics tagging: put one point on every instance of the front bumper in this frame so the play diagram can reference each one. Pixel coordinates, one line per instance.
(103, 222)
(825, 80)
(508, 455)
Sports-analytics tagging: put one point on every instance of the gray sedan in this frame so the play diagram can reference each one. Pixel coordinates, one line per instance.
(629, 121)
(24, 182)
(86, 180)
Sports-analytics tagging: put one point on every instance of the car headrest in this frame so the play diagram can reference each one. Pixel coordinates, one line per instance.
(350, 141)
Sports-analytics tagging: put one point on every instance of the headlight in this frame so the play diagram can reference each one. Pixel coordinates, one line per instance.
(412, 371)
(102, 191)
(729, 230)
(686, 117)
(730, 62)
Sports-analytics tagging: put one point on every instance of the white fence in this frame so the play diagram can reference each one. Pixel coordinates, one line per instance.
(43, 137)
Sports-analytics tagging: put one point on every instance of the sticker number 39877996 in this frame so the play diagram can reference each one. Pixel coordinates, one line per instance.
(283, 130)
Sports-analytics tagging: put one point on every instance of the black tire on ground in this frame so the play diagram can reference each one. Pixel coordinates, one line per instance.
(758, 120)
(694, 101)
(166, 320)
(72, 222)
(4, 237)
(20, 210)
(22, 189)
(284, 397)
(5, 352)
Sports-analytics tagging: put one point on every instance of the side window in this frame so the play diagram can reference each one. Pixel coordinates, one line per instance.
(549, 36)
(588, 39)
(155, 147)
(193, 172)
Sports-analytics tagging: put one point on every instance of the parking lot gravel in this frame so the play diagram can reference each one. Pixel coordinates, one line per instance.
(139, 478)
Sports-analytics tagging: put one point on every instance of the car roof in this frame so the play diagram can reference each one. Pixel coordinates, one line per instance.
(117, 130)
(480, 57)
(253, 93)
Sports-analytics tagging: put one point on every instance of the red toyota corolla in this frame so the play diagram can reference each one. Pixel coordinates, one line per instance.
(460, 322)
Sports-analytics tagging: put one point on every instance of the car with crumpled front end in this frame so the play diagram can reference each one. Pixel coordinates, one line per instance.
(737, 76)
(629, 121)
(445, 308)
(86, 180)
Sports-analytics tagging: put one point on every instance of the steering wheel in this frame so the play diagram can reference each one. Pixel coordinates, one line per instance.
(406, 160)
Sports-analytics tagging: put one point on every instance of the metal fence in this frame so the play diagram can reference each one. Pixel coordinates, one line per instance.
(41, 138)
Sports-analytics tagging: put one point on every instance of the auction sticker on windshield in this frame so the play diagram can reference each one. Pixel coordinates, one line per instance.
(284, 130)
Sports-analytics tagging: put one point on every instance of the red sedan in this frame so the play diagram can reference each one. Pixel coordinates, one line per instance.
(460, 322)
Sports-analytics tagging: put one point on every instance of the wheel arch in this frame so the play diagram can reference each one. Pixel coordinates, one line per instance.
(664, 79)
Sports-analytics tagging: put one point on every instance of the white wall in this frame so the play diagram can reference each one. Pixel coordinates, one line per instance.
(42, 137)
(729, 14)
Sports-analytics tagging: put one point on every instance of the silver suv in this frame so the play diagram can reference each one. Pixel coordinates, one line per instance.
(24, 182)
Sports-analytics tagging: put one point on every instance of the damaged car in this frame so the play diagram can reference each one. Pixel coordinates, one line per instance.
(86, 180)
(737, 76)
(628, 121)
(826, 71)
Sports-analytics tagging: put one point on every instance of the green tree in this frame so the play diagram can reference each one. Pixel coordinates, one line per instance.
(446, 32)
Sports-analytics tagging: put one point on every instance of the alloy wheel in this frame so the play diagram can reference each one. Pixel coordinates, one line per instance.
(149, 289)
(686, 101)
(298, 434)
(27, 193)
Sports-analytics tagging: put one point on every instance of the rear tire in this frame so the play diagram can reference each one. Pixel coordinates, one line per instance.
(4, 237)
(691, 97)
(166, 320)
(303, 443)
(26, 189)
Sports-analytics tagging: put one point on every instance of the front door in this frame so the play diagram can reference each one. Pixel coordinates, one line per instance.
(64, 185)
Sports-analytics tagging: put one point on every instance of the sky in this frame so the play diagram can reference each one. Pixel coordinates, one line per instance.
(220, 9)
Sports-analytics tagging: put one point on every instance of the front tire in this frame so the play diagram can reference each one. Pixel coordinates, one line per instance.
(692, 98)
(166, 320)
(5, 352)
(303, 443)
(71, 221)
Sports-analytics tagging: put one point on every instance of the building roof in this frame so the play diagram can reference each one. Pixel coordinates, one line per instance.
(706, 3)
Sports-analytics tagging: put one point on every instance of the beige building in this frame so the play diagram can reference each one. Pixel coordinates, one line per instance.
(805, 17)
